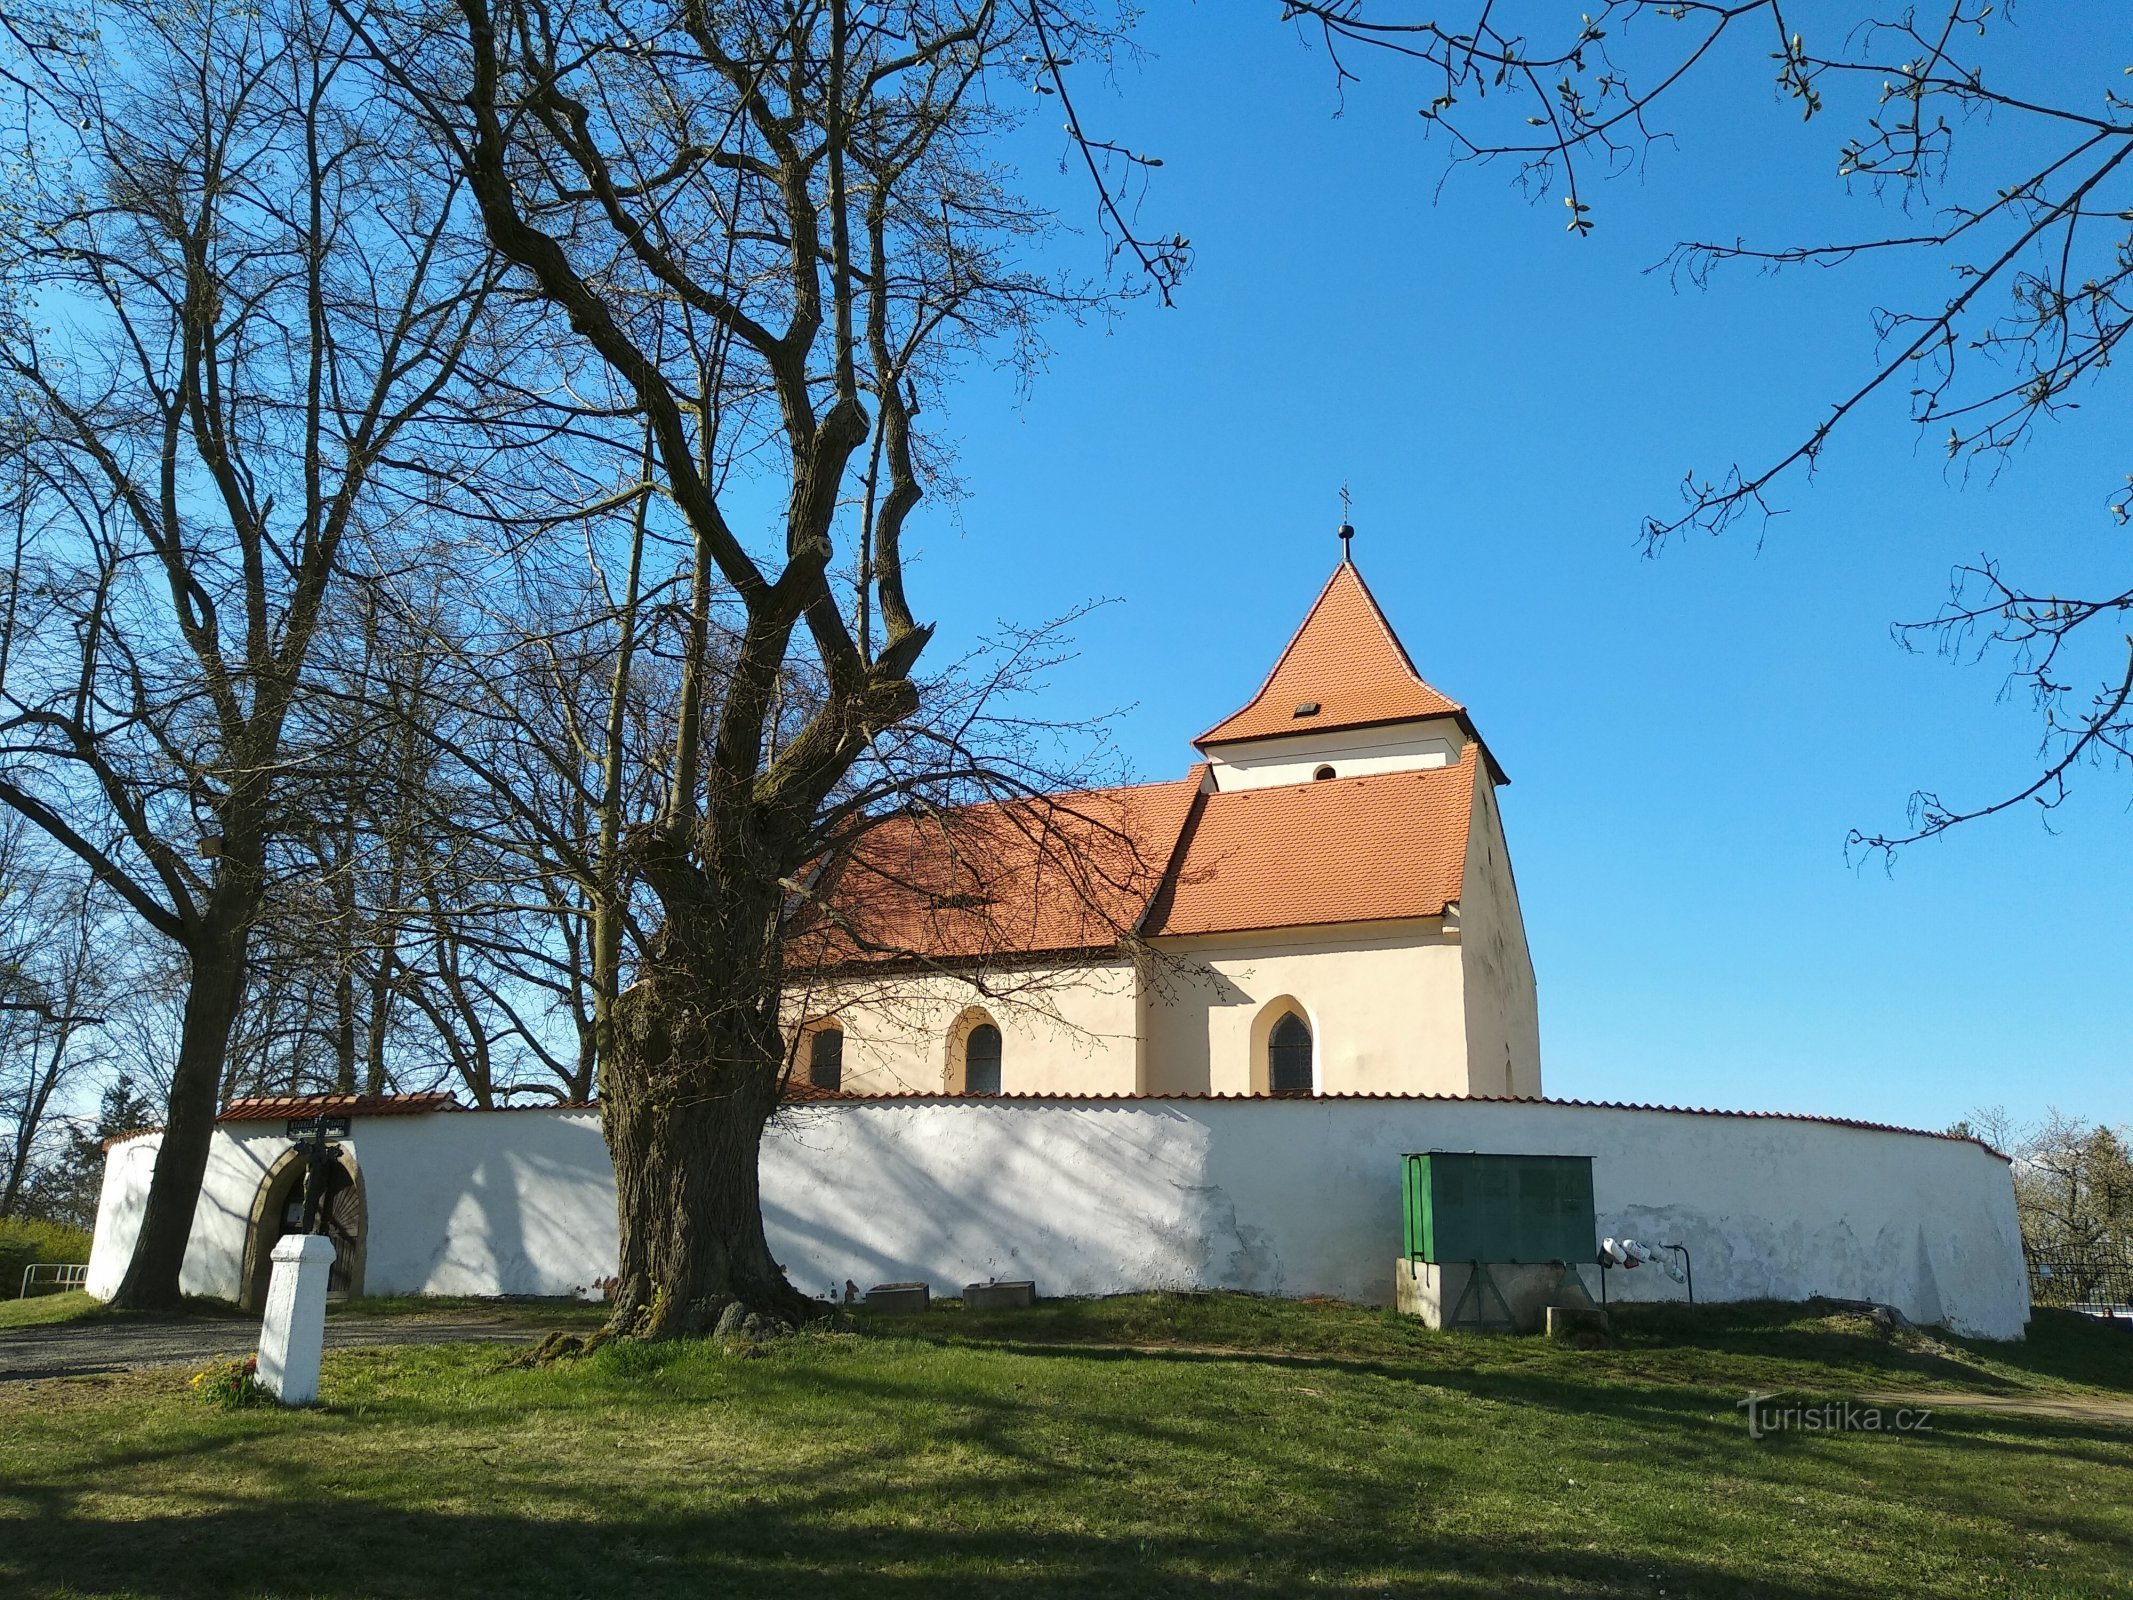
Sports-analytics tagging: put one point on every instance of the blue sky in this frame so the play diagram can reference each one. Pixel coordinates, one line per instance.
(1690, 737)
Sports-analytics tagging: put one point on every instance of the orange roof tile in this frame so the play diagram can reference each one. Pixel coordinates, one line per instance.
(1281, 1105)
(1345, 659)
(1387, 846)
(1058, 872)
(274, 1107)
(1276, 1106)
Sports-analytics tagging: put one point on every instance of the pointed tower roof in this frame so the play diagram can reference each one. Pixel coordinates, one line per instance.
(1346, 664)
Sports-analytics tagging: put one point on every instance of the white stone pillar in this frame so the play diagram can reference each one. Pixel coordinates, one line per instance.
(294, 1337)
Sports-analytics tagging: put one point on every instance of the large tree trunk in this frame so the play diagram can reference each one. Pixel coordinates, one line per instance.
(684, 1098)
(151, 1281)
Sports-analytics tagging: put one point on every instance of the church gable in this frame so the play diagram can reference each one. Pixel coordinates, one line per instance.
(1344, 669)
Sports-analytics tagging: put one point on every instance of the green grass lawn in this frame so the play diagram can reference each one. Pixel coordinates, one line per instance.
(46, 1309)
(41, 1310)
(1251, 1448)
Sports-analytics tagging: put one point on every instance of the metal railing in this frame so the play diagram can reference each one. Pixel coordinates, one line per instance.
(2099, 1284)
(55, 1277)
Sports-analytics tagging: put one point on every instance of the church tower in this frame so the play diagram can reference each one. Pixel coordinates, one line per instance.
(1351, 800)
(1323, 906)
(1343, 701)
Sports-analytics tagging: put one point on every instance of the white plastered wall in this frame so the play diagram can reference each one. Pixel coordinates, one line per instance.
(1384, 1002)
(476, 1203)
(1063, 1030)
(237, 1163)
(1502, 1012)
(1351, 752)
(1281, 1197)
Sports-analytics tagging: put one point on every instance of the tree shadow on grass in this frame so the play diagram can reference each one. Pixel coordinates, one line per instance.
(353, 1549)
(1690, 1425)
(1667, 1342)
(848, 1470)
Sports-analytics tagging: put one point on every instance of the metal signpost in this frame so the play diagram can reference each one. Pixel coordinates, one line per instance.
(314, 1137)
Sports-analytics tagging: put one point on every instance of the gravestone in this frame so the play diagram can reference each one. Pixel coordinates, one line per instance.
(899, 1297)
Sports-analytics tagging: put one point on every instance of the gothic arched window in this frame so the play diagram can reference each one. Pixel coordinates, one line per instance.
(981, 1060)
(1288, 1056)
(825, 1057)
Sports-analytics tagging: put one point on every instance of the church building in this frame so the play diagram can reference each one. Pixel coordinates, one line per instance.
(1178, 1035)
(1323, 905)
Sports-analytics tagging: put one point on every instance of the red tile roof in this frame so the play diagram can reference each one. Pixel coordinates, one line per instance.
(1030, 1097)
(1346, 660)
(1392, 845)
(277, 1107)
(800, 1091)
(1076, 872)
(1063, 872)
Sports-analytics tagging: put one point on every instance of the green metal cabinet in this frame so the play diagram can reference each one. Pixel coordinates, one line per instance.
(1458, 1206)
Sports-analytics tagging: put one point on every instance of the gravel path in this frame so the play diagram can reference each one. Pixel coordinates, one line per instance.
(72, 1348)
(2065, 1407)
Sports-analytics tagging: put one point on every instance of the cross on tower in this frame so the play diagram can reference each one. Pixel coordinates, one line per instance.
(1347, 532)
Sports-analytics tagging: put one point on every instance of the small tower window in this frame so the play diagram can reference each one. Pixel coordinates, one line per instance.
(981, 1060)
(825, 1058)
(1288, 1056)
(1309, 708)
(1321, 774)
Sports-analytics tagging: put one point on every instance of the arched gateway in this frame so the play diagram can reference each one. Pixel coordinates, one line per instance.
(278, 1210)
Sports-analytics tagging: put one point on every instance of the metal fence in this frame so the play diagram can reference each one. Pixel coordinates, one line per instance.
(2101, 1285)
(52, 1277)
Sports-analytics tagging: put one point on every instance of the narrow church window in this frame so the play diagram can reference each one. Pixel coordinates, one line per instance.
(1321, 774)
(825, 1058)
(981, 1060)
(1288, 1056)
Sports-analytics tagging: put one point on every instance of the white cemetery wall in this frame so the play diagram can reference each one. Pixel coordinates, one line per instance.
(1104, 1196)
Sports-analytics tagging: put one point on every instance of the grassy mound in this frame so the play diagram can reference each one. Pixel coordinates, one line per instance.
(1160, 1445)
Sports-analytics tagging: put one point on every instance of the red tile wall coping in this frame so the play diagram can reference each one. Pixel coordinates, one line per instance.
(277, 1107)
(407, 1105)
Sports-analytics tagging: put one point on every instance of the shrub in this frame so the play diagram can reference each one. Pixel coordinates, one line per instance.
(24, 1243)
(231, 1385)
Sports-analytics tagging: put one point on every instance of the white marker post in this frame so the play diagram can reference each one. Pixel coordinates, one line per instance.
(293, 1341)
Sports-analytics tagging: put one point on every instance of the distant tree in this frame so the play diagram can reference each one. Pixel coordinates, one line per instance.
(56, 974)
(2020, 201)
(2073, 1187)
(68, 1188)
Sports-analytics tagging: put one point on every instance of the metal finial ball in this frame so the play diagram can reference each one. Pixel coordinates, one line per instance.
(1346, 533)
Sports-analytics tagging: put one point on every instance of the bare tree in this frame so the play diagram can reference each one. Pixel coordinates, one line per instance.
(242, 296)
(771, 228)
(54, 975)
(2023, 205)
(2073, 1188)
(562, 739)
